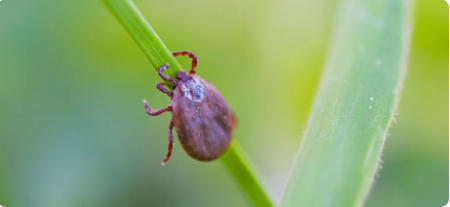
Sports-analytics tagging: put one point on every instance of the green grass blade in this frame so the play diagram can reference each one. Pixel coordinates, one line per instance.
(234, 160)
(341, 148)
(250, 184)
(143, 34)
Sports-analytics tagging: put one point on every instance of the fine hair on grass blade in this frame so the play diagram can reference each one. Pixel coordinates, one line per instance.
(354, 107)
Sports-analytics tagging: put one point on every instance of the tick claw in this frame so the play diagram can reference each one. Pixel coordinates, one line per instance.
(146, 104)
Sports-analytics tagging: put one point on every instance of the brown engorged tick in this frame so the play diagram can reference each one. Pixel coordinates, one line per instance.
(202, 119)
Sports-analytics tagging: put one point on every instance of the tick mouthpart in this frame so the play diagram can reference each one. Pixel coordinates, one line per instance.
(182, 76)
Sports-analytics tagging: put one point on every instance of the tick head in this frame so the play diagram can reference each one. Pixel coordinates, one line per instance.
(182, 76)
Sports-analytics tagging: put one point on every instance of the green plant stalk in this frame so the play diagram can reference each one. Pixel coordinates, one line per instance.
(238, 167)
(354, 107)
(154, 49)
(143, 34)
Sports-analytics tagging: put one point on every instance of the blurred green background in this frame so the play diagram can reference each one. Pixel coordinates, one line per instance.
(73, 131)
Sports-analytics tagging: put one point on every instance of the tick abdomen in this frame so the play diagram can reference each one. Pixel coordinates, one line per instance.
(202, 119)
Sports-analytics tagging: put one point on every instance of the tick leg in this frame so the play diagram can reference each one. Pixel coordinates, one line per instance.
(160, 87)
(192, 56)
(164, 77)
(155, 112)
(169, 149)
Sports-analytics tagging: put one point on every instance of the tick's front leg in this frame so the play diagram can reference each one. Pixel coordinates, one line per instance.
(192, 56)
(169, 150)
(164, 77)
(160, 87)
(155, 112)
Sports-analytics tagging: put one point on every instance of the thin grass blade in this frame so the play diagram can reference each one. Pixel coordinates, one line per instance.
(354, 107)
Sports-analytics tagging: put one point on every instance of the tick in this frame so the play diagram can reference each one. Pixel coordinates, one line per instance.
(200, 115)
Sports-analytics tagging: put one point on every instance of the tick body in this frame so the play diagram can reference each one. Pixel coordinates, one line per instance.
(202, 119)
